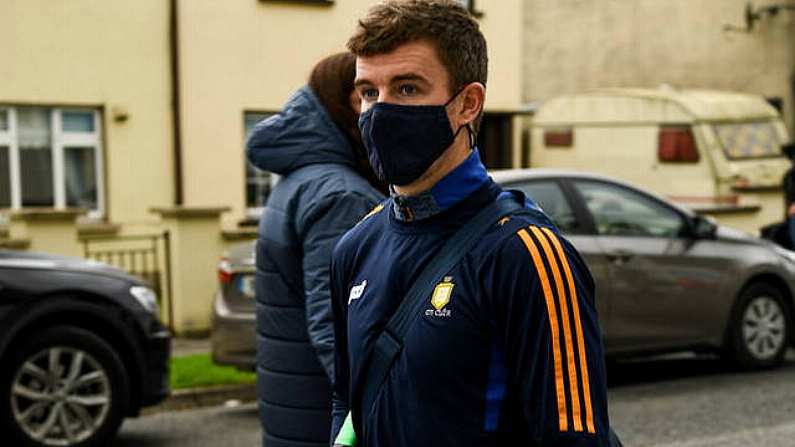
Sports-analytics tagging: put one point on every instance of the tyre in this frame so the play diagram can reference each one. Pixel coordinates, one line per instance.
(760, 329)
(64, 386)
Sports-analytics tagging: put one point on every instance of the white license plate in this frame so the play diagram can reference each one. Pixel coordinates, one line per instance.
(246, 285)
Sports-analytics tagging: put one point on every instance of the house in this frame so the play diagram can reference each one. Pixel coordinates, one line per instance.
(122, 123)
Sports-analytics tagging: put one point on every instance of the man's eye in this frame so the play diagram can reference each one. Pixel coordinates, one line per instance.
(369, 93)
(408, 89)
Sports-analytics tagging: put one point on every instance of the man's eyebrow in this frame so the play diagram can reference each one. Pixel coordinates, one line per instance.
(360, 82)
(409, 77)
(399, 78)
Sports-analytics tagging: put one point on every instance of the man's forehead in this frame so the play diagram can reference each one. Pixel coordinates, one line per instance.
(416, 58)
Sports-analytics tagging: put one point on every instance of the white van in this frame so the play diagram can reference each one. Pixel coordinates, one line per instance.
(718, 153)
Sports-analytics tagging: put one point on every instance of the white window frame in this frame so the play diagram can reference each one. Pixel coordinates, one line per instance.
(59, 141)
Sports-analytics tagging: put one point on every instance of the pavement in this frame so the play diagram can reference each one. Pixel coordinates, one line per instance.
(672, 402)
(699, 402)
(229, 426)
(669, 402)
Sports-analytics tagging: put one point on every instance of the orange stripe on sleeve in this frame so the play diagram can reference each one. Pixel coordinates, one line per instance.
(574, 389)
(578, 329)
(563, 421)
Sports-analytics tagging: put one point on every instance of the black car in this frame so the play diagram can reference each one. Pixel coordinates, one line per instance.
(81, 348)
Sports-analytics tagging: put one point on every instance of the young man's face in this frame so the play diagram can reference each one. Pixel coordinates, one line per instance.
(412, 74)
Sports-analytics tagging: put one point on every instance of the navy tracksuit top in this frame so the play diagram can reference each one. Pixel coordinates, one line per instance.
(508, 351)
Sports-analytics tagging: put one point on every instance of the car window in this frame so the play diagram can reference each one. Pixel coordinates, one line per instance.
(550, 197)
(619, 211)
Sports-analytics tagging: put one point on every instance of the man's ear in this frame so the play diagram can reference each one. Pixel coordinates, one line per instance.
(472, 99)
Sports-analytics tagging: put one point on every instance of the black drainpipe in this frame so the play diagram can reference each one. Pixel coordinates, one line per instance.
(175, 99)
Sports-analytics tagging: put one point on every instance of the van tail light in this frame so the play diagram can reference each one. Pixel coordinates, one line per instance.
(676, 144)
(559, 138)
(225, 271)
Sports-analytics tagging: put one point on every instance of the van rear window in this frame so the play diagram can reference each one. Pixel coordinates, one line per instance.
(748, 140)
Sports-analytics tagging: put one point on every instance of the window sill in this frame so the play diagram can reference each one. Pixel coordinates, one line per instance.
(14, 244)
(183, 212)
(46, 214)
(98, 228)
(250, 221)
(240, 235)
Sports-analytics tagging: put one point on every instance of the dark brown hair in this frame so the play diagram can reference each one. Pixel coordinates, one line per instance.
(332, 81)
(459, 43)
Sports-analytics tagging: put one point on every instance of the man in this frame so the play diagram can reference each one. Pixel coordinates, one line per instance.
(507, 350)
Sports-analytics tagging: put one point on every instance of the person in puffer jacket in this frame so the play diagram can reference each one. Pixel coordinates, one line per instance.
(315, 146)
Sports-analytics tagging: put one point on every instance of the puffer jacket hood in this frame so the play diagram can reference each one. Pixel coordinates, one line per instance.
(302, 134)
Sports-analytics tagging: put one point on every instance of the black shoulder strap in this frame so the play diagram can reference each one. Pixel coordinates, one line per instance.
(389, 343)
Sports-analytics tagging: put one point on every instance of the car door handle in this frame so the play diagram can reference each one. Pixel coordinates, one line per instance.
(619, 257)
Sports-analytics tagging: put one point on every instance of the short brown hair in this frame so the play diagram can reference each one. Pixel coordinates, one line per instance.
(445, 23)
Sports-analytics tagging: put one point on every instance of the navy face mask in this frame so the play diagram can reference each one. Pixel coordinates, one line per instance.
(403, 141)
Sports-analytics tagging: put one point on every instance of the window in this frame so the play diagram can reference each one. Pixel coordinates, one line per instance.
(81, 177)
(549, 196)
(35, 157)
(749, 140)
(618, 211)
(50, 158)
(258, 183)
(77, 121)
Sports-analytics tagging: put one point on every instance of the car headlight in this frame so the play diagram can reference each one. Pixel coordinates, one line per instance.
(146, 297)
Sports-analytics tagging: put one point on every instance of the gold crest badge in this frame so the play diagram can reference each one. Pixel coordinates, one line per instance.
(442, 293)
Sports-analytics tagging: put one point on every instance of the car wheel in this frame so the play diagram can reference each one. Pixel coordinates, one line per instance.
(760, 328)
(65, 386)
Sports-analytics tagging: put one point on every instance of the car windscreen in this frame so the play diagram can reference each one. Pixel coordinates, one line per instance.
(742, 141)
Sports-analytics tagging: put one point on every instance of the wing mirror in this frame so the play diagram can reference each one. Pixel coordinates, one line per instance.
(704, 227)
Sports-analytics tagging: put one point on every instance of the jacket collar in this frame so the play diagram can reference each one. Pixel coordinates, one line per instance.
(462, 181)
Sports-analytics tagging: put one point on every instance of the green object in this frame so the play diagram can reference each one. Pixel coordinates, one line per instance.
(199, 371)
(346, 436)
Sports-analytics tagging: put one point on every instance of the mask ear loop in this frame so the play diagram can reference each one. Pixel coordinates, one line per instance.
(473, 137)
(452, 98)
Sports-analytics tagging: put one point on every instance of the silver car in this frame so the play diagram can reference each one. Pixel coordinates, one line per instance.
(667, 279)
(233, 311)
